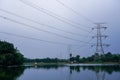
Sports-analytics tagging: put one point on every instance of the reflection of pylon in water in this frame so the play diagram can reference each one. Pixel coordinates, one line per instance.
(70, 74)
(100, 75)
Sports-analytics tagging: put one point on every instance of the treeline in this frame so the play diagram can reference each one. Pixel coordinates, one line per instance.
(9, 55)
(45, 60)
(98, 58)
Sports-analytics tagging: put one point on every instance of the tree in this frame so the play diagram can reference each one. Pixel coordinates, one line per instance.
(9, 55)
(70, 57)
(77, 58)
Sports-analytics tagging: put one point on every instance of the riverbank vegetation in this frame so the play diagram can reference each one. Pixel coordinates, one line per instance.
(96, 58)
(9, 55)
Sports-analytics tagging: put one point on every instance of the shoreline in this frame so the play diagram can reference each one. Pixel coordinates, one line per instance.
(63, 64)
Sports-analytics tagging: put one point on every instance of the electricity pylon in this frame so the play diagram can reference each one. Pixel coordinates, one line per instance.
(99, 36)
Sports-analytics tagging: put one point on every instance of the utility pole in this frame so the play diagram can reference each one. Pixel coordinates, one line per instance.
(99, 36)
(70, 54)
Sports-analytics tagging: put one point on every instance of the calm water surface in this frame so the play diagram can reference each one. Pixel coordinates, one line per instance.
(54, 72)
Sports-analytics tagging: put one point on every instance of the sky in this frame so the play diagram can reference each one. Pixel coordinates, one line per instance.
(62, 22)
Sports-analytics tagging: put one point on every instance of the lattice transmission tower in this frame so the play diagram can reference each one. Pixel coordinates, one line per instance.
(99, 37)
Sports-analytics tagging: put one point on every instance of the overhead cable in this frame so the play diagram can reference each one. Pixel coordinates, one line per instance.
(41, 30)
(76, 12)
(53, 27)
(36, 39)
(54, 15)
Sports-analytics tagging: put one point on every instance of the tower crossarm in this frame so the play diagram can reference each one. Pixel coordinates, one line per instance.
(107, 45)
(102, 36)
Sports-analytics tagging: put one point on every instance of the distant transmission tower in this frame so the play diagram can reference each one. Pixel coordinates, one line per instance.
(99, 45)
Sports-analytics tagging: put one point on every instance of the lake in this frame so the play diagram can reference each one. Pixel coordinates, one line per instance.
(63, 72)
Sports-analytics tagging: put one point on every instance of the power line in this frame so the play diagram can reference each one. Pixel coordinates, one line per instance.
(38, 29)
(79, 14)
(54, 15)
(11, 13)
(84, 45)
(84, 48)
(36, 39)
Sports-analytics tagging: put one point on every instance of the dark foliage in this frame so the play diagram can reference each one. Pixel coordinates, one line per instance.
(9, 56)
(108, 57)
(46, 60)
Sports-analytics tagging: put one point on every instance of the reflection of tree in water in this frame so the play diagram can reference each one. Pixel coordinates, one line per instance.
(46, 66)
(11, 73)
(100, 71)
(107, 69)
(97, 69)
(75, 68)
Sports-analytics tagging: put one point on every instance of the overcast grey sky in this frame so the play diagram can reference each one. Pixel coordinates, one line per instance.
(51, 13)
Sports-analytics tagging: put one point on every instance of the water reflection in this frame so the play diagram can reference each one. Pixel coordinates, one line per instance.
(97, 69)
(55, 71)
(100, 71)
(10, 73)
(47, 67)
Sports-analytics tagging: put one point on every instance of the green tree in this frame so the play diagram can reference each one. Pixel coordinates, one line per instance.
(71, 58)
(77, 58)
(9, 55)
